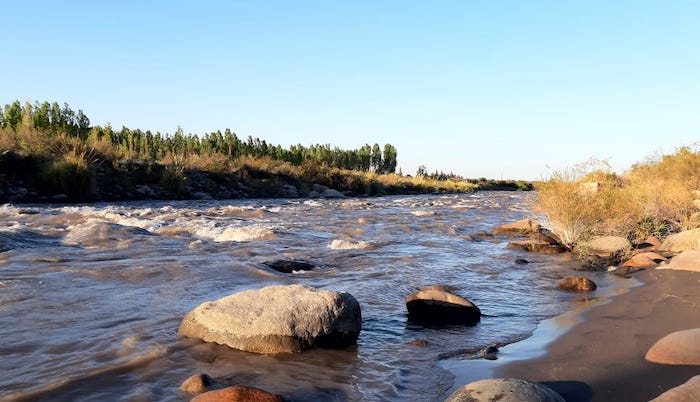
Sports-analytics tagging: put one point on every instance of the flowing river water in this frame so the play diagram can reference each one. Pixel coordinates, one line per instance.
(91, 296)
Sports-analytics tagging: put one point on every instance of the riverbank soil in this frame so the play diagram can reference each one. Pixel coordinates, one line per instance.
(603, 357)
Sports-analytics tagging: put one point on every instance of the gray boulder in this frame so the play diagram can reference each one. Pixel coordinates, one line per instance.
(277, 319)
(504, 390)
(330, 193)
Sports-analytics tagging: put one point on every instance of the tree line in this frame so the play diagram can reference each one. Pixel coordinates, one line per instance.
(135, 144)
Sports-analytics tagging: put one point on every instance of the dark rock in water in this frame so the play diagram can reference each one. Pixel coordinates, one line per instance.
(288, 266)
(435, 304)
(521, 261)
(196, 383)
(624, 270)
(489, 353)
(239, 393)
(576, 284)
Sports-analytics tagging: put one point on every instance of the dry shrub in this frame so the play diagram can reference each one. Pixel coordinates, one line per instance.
(655, 198)
(214, 162)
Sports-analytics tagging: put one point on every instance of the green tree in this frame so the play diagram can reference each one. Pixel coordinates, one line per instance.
(376, 158)
(389, 161)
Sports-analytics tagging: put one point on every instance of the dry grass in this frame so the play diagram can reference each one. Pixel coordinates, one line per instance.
(655, 198)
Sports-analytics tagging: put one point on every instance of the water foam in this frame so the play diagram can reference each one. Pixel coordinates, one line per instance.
(236, 234)
(340, 244)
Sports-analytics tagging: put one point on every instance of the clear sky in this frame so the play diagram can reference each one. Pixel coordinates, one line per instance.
(496, 89)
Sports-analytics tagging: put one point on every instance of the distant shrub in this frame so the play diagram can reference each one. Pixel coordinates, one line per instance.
(69, 175)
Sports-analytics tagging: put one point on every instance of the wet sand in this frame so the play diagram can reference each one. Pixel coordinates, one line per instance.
(602, 358)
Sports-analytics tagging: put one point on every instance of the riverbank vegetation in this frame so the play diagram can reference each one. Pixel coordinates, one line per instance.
(50, 152)
(654, 198)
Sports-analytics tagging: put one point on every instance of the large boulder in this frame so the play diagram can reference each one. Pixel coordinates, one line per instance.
(238, 393)
(330, 193)
(576, 284)
(688, 391)
(688, 260)
(521, 227)
(277, 319)
(435, 304)
(504, 390)
(677, 348)
(679, 242)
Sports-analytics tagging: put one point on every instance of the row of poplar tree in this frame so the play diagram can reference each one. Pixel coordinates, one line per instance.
(54, 119)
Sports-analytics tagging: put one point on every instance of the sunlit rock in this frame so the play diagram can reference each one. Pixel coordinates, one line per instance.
(688, 391)
(677, 348)
(277, 319)
(504, 390)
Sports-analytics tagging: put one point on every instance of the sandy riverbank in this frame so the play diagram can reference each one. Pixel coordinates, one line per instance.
(602, 358)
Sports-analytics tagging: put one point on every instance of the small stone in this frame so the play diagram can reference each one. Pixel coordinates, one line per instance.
(418, 342)
(576, 284)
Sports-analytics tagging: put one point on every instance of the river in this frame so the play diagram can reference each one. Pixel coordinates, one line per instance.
(91, 296)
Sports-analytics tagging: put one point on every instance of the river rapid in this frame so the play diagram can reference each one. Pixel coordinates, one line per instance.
(91, 296)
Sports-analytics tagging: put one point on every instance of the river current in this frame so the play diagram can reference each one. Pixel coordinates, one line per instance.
(91, 296)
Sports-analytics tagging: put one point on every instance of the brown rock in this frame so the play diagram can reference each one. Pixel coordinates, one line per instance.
(196, 383)
(437, 304)
(677, 348)
(689, 391)
(536, 246)
(239, 393)
(521, 227)
(688, 260)
(418, 342)
(576, 284)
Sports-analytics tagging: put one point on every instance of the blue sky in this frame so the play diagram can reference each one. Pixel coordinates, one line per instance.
(499, 89)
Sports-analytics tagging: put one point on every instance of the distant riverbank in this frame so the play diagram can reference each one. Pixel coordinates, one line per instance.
(28, 179)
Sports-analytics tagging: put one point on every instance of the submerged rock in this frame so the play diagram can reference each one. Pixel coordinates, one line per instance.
(238, 393)
(277, 319)
(677, 348)
(289, 266)
(576, 284)
(435, 304)
(504, 390)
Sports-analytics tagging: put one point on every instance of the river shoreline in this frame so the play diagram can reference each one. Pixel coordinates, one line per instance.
(601, 357)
